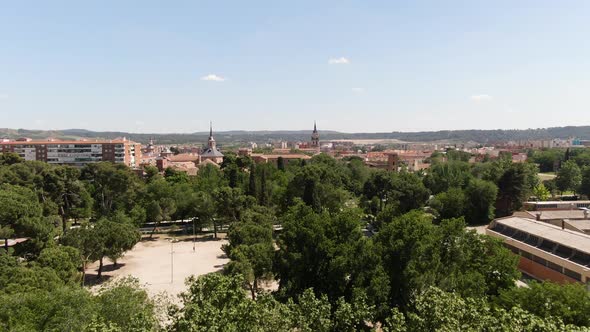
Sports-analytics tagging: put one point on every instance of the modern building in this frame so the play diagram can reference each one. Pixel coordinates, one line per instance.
(211, 152)
(556, 205)
(75, 152)
(546, 251)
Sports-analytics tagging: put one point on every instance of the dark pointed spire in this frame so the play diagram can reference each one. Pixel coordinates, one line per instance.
(210, 128)
(314, 127)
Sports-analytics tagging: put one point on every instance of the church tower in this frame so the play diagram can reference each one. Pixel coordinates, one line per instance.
(315, 137)
(210, 152)
(211, 142)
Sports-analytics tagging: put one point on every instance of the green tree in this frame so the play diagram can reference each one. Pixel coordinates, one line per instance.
(251, 252)
(115, 238)
(21, 216)
(569, 302)
(112, 186)
(548, 159)
(585, 183)
(9, 158)
(513, 190)
(64, 260)
(159, 203)
(321, 251)
(69, 194)
(481, 196)
(281, 163)
(541, 192)
(443, 176)
(231, 203)
(569, 176)
(88, 244)
(104, 239)
(450, 204)
(175, 176)
(252, 187)
(63, 309)
(436, 310)
(126, 305)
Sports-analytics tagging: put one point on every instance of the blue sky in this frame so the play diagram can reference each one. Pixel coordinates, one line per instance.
(355, 66)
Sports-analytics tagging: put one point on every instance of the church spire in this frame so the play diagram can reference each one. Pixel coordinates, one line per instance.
(211, 143)
(315, 136)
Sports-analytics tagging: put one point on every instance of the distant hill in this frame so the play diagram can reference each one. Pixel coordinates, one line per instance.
(240, 136)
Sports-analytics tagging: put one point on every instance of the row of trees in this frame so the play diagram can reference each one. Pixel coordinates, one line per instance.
(421, 269)
(215, 302)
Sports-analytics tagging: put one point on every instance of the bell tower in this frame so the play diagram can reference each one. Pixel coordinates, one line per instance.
(315, 137)
(211, 142)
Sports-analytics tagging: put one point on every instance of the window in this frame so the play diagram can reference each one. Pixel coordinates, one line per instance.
(581, 258)
(532, 240)
(547, 245)
(539, 260)
(512, 248)
(563, 251)
(555, 267)
(520, 236)
(572, 274)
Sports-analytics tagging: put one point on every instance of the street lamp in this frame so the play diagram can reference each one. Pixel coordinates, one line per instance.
(172, 240)
(194, 236)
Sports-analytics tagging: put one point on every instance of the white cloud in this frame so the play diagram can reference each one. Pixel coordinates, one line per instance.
(479, 98)
(339, 61)
(212, 77)
(358, 90)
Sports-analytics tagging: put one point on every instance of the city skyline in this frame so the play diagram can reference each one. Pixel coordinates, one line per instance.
(376, 67)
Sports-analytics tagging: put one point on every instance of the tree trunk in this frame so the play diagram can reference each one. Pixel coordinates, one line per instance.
(99, 269)
(215, 229)
(6, 245)
(153, 230)
(253, 289)
(83, 272)
(63, 223)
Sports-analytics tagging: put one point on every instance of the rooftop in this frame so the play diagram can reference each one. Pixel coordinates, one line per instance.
(554, 214)
(572, 239)
(208, 152)
(183, 157)
(54, 141)
(284, 156)
(557, 202)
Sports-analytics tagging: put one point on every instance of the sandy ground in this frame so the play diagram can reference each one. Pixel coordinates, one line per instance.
(479, 229)
(150, 262)
(546, 176)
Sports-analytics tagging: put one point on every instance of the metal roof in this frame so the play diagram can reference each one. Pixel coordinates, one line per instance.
(565, 237)
(208, 152)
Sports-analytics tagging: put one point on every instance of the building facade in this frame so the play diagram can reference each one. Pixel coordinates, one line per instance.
(75, 153)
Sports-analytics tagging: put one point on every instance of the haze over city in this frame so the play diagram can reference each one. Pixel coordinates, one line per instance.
(139, 66)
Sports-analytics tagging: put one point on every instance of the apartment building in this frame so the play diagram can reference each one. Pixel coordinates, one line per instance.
(75, 153)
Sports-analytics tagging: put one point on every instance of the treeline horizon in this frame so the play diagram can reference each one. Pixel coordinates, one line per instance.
(243, 136)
